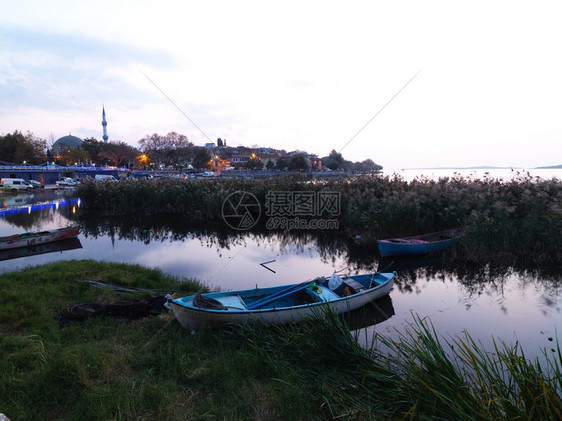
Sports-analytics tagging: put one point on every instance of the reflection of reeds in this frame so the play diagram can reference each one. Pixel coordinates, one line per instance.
(518, 220)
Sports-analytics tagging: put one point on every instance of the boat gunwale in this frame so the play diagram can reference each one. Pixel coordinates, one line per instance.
(11, 242)
(423, 237)
(177, 301)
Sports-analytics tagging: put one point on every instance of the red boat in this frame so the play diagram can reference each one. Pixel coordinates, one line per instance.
(28, 239)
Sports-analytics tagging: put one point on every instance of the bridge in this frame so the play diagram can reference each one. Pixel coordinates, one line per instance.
(51, 173)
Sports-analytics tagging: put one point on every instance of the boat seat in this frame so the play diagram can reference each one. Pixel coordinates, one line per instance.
(323, 294)
(232, 302)
(227, 302)
(353, 284)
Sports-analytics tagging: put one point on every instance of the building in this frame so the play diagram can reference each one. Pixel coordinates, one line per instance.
(240, 159)
(104, 125)
(66, 143)
(266, 157)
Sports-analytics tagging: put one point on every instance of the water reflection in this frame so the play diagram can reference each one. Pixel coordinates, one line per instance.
(373, 313)
(506, 302)
(33, 210)
(329, 246)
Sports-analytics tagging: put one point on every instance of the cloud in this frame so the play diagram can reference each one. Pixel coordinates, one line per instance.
(62, 70)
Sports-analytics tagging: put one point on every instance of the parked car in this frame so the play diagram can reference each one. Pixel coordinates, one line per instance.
(14, 184)
(105, 177)
(67, 182)
(138, 176)
(33, 183)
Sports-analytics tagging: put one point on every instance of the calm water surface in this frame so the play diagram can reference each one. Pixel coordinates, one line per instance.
(504, 303)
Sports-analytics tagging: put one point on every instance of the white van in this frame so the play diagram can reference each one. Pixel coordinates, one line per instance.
(15, 184)
(105, 177)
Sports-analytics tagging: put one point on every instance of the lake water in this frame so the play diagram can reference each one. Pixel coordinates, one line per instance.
(504, 303)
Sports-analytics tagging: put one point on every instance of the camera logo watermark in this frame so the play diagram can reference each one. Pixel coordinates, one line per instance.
(286, 210)
(241, 210)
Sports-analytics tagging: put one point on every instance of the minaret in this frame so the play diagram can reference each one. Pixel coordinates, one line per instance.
(104, 124)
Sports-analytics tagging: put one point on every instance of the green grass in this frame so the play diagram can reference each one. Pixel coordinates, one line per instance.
(151, 368)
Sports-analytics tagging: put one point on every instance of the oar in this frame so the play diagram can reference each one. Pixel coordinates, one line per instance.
(278, 294)
(263, 300)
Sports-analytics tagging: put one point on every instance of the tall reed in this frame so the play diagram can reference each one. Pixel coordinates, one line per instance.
(417, 376)
(519, 219)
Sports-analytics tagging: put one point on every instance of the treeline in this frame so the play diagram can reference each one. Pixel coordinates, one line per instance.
(172, 150)
(19, 148)
(517, 220)
(27, 149)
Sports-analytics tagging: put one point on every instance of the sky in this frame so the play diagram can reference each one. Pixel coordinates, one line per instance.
(408, 84)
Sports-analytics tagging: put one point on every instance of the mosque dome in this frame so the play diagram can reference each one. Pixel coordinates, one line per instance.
(66, 142)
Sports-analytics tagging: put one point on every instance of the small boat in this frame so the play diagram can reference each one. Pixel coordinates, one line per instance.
(56, 246)
(281, 304)
(28, 239)
(419, 244)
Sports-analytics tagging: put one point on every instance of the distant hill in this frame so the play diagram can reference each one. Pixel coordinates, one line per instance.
(552, 167)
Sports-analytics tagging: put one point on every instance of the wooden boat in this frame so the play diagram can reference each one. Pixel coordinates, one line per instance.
(419, 244)
(281, 304)
(56, 246)
(34, 238)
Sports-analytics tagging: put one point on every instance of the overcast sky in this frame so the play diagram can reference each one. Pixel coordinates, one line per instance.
(305, 75)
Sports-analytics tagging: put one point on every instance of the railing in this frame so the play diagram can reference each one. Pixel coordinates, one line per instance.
(58, 168)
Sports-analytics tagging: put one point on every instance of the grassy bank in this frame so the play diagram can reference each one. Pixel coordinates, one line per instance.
(150, 368)
(519, 220)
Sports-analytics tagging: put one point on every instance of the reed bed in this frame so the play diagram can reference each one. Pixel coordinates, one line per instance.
(417, 376)
(517, 220)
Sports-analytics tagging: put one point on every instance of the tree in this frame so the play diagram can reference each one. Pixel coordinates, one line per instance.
(163, 149)
(73, 156)
(366, 166)
(333, 165)
(201, 159)
(270, 165)
(299, 163)
(93, 147)
(15, 148)
(118, 153)
(254, 163)
(334, 161)
(283, 163)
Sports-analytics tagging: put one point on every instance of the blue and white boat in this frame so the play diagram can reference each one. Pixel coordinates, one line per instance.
(281, 304)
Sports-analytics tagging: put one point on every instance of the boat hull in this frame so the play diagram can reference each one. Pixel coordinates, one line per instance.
(37, 238)
(192, 317)
(55, 246)
(422, 244)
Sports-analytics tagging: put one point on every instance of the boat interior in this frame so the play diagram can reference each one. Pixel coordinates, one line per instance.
(309, 292)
